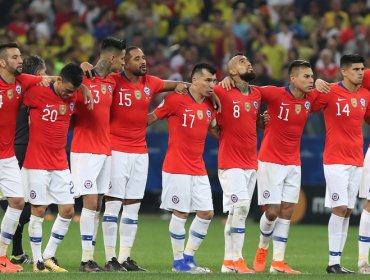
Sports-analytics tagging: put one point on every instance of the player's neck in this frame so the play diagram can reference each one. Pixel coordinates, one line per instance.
(350, 86)
(199, 98)
(102, 68)
(297, 93)
(242, 86)
(8, 77)
(132, 77)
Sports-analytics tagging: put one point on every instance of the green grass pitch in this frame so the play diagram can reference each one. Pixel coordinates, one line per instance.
(306, 251)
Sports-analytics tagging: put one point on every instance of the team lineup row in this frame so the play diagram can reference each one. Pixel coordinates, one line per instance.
(109, 156)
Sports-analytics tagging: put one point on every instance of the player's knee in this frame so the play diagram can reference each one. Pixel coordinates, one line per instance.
(16, 202)
(340, 210)
(67, 212)
(90, 203)
(206, 215)
(272, 213)
(38, 211)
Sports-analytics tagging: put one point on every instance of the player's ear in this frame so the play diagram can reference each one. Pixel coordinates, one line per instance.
(2, 62)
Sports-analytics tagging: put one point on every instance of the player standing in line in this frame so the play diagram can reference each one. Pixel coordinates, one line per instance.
(345, 108)
(129, 114)
(91, 149)
(45, 170)
(13, 84)
(237, 157)
(186, 186)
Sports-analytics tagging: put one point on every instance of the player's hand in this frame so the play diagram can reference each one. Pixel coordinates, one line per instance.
(322, 86)
(181, 88)
(88, 97)
(88, 69)
(227, 83)
(265, 117)
(45, 82)
(215, 102)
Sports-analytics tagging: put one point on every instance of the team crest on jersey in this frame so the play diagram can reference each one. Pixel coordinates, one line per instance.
(234, 198)
(10, 93)
(103, 89)
(71, 106)
(335, 197)
(62, 109)
(307, 105)
(255, 104)
(110, 89)
(88, 184)
(354, 102)
(147, 90)
(200, 114)
(298, 108)
(363, 102)
(247, 106)
(137, 94)
(209, 113)
(175, 199)
(32, 194)
(18, 89)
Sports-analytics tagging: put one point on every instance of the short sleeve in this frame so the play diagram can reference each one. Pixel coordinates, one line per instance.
(30, 97)
(319, 100)
(168, 106)
(28, 80)
(155, 84)
(268, 93)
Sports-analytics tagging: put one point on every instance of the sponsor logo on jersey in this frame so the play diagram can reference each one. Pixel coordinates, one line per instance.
(363, 102)
(307, 105)
(71, 106)
(234, 198)
(298, 108)
(200, 114)
(147, 90)
(255, 104)
(354, 102)
(209, 113)
(62, 109)
(103, 89)
(175, 199)
(137, 94)
(110, 88)
(18, 89)
(161, 104)
(10, 93)
(88, 184)
(247, 106)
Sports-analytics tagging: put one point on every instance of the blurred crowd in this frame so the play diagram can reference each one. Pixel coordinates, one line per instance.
(176, 34)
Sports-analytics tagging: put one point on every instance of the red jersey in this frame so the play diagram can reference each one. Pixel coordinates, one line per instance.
(188, 123)
(366, 80)
(129, 113)
(91, 132)
(344, 112)
(11, 96)
(238, 133)
(49, 121)
(282, 136)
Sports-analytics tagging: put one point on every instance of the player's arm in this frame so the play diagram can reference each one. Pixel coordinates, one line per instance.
(179, 87)
(227, 83)
(88, 97)
(322, 86)
(262, 120)
(152, 118)
(214, 129)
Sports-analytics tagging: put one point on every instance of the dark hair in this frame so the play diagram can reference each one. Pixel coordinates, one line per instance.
(112, 43)
(348, 59)
(128, 52)
(6, 46)
(32, 64)
(298, 64)
(198, 68)
(72, 73)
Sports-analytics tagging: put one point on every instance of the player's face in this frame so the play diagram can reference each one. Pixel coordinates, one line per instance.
(354, 74)
(205, 83)
(136, 64)
(244, 69)
(65, 90)
(14, 61)
(118, 62)
(302, 78)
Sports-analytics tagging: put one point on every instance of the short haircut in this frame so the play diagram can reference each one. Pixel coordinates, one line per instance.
(236, 54)
(298, 64)
(33, 64)
(348, 59)
(198, 68)
(110, 44)
(4, 47)
(73, 74)
(128, 52)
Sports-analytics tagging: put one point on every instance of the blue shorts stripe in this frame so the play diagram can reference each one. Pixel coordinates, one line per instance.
(128, 221)
(36, 239)
(237, 230)
(280, 239)
(57, 236)
(196, 234)
(7, 235)
(177, 236)
(110, 219)
(86, 237)
(363, 238)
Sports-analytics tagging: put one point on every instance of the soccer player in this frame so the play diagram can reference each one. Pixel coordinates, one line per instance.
(13, 84)
(279, 165)
(344, 108)
(91, 149)
(364, 229)
(186, 186)
(237, 157)
(45, 170)
(129, 169)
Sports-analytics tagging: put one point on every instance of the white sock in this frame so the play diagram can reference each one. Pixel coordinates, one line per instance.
(335, 228)
(109, 225)
(35, 233)
(364, 238)
(344, 234)
(127, 230)
(58, 232)
(266, 229)
(87, 225)
(228, 240)
(96, 227)
(8, 228)
(197, 233)
(280, 238)
(177, 235)
(240, 213)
